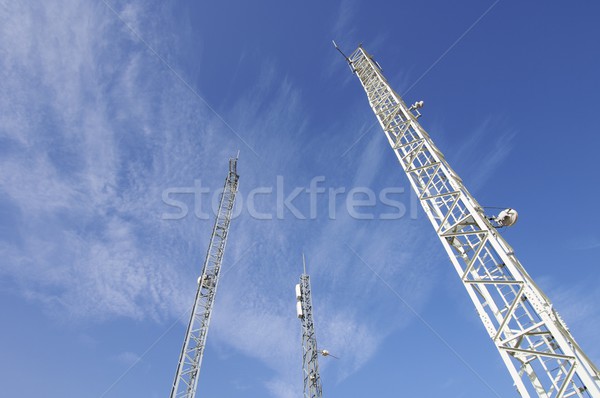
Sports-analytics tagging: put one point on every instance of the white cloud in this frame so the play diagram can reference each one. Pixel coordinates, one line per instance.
(127, 358)
(98, 127)
(584, 243)
(346, 12)
(282, 389)
(499, 143)
(577, 305)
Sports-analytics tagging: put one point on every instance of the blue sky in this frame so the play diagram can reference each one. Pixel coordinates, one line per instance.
(105, 106)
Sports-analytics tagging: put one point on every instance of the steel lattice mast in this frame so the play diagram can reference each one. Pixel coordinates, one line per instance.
(310, 353)
(535, 344)
(188, 369)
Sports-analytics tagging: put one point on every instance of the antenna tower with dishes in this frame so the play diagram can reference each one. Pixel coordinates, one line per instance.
(188, 368)
(310, 353)
(536, 346)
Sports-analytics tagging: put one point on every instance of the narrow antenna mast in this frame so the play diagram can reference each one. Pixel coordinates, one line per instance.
(341, 52)
(188, 368)
(535, 344)
(303, 263)
(310, 353)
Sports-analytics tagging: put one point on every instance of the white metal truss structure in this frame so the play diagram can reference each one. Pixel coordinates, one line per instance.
(310, 364)
(188, 369)
(535, 344)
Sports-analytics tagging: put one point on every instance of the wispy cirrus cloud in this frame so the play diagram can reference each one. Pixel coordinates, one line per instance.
(499, 143)
(346, 12)
(88, 151)
(95, 128)
(584, 243)
(576, 303)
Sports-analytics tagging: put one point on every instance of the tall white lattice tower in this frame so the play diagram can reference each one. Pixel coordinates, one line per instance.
(310, 353)
(535, 344)
(188, 369)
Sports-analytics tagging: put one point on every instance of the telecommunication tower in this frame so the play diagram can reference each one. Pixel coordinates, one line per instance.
(536, 346)
(310, 353)
(188, 368)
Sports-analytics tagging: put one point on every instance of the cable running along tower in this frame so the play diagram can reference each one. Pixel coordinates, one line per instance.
(310, 353)
(535, 344)
(188, 369)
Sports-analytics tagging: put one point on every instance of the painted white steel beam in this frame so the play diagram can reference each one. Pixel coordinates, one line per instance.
(539, 351)
(190, 359)
(310, 364)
